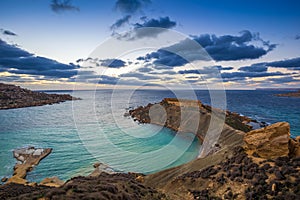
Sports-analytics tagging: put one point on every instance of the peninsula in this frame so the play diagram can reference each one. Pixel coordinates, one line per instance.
(12, 96)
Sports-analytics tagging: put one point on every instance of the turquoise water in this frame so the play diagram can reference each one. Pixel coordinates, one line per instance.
(94, 129)
(127, 146)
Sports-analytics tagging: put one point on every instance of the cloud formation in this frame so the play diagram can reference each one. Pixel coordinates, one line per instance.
(59, 6)
(113, 63)
(293, 63)
(234, 75)
(120, 22)
(222, 48)
(149, 28)
(18, 61)
(7, 32)
(258, 67)
(297, 37)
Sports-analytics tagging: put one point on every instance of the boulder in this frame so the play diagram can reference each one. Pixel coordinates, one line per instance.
(269, 142)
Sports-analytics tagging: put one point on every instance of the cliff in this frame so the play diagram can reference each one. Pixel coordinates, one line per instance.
(190, 116)
(12, 96)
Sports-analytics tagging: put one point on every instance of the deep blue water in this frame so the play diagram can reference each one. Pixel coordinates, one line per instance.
(94, 129)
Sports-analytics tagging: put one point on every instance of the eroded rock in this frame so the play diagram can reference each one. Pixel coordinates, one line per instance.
(269, 142)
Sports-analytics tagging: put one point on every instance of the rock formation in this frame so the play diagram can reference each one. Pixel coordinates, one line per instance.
(27, 158)
(269, 142)
(12, 96)
(190, 116)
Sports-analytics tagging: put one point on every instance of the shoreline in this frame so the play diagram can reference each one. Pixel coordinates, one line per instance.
(13, 97)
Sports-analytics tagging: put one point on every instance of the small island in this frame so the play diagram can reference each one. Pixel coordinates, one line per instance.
(290, 94)
(12, 96)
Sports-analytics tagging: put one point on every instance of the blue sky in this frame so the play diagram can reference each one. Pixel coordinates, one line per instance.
(253, 43)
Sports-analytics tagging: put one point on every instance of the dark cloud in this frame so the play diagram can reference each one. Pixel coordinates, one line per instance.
(144, 69)
(233, 75)
(149, 28)
(131, 6)
(18, 61)
(223, 48)
(7, 32)
(120, 22)
(293, 63)
(258, 67)
(59, 6)
(230, 47)
(12, 51)
(139, 76)
(297, 37)
(205, 70)
(162, 22)
(281, 80)
(113, 63)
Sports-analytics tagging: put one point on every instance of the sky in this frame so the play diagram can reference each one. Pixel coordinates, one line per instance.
(232, 44)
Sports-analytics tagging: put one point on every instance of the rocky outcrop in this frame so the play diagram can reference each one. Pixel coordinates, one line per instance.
(269, 142)
(27, 158)
(101, 168)
(190, 116)
(272, 142)
(51, 182)
(289, 94)
(12, 96)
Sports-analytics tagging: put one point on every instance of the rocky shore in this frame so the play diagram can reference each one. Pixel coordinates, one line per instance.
(290, 94)
(250, 164)
(26, 158)
(191, 116)
(12, 96)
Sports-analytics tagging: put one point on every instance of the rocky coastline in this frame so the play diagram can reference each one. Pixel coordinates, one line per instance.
(248, 164)
(12, 96)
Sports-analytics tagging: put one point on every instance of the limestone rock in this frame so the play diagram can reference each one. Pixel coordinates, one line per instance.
(52, 182)
(269, 142)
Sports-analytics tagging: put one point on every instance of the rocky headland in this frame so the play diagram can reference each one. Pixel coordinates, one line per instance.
(290, 94)
(12, 96)
(246, 164)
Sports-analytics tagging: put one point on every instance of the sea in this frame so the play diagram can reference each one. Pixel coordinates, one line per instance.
(95, 129)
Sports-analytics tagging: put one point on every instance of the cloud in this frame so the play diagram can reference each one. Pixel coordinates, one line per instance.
(228, 47)
(131, 6)
(258, 67)
(120, 22)
(18, 61)
(139, 76)
(7, 32)
(297, 37)
(162, 22)
(59, 6)
(222, 48)
(149, 28)
(287, 79)
(205, 70)
(293, 63)
(113, 63)
(232, 75)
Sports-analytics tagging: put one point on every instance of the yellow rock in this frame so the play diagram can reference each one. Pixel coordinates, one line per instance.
(269, 142)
